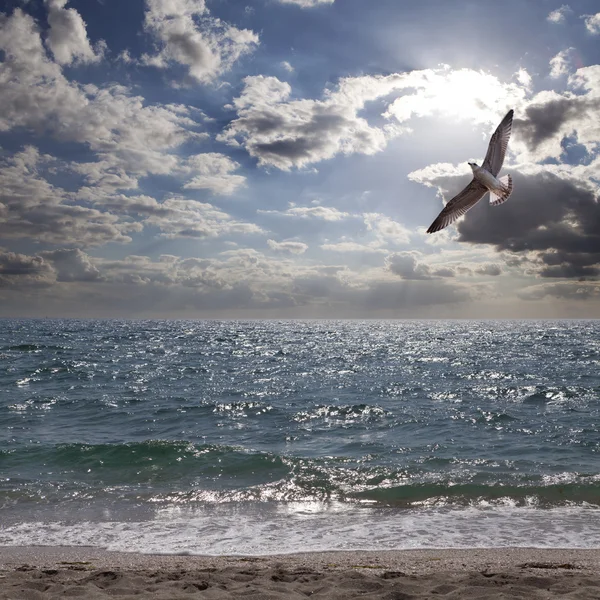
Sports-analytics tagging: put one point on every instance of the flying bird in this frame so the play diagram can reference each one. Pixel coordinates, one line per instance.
(484, 179)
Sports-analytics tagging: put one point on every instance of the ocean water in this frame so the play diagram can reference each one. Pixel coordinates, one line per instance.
(254, 437)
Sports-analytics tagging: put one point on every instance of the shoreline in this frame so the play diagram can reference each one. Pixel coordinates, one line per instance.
(34, 572)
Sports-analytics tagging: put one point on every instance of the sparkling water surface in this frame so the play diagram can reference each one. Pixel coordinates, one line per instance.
(273, 436)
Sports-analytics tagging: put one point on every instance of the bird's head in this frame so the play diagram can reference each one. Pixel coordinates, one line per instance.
(473, 165)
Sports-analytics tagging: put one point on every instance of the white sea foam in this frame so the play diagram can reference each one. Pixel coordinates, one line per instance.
(300, 527)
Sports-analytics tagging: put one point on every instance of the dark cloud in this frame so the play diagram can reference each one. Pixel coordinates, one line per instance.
(20, 270)
(20, 264)
(544, 121)
(570, 271)
(551, 117)
(406, 266)
(554, 218)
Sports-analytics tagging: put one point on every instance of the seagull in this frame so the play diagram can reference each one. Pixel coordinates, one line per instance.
(484, 179)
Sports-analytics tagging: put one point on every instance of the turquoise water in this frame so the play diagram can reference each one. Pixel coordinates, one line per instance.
(262, 436)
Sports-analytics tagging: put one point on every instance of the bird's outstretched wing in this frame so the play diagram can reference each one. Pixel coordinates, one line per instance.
(498, 144)
(459, 205)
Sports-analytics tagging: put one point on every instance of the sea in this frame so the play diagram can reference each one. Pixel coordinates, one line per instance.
(274, 436)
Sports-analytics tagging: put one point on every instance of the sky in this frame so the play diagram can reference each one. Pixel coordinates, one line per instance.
(284, 158)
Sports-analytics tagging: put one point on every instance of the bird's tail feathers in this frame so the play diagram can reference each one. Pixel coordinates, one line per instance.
(499, 198)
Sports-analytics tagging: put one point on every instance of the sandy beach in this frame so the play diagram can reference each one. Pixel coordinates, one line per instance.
(32, 573)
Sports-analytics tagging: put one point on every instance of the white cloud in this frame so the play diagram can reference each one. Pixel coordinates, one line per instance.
(289, 246)
(560, 14)
(214, 173)
(126, 58)
(524, 78)
(130, 137)
(561, 64)
(387, 230)
(189, 36)
(592, 22)
(287, 66)
(437, 171)
(178, 217)
(349, 246)
(327, 213)
(288, 133)
(67, 38)
(294, 133)
(306, 3)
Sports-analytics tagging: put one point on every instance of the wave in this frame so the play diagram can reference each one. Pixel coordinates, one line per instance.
(180, 473)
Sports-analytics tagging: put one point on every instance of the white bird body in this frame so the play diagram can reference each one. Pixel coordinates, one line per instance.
(485, 179)
(484, 176)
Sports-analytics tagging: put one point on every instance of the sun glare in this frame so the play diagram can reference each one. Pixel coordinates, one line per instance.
(460, 94)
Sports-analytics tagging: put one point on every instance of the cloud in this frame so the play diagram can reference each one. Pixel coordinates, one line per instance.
(552, 219)
(386, 230)
(294, 133)
(442, 92)
(380, 230)
(353, 247)
(592, 22)
(247, 279)
(67, 37)
(178, 217)
(214, 173)
(492, 270)
(68, 281)
(287, 66)
(550, 118)
(326, 213)
(560, 14)
(288, 133)
(20, 270)
(306, 3)
(189, 36)
(561, 64)
(71, 264)
(32, 208)
(563, 291)
(407, 295)
(129, 137)
(289, 246)
(406, 266)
